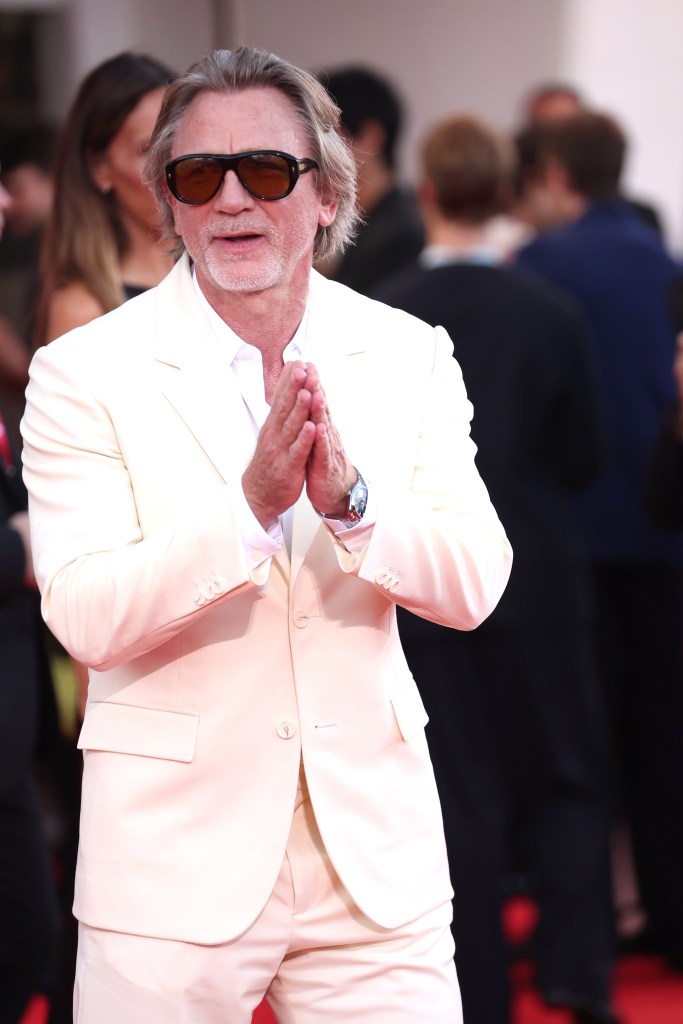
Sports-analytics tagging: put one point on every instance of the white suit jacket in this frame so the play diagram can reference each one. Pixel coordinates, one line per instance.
(209, 677)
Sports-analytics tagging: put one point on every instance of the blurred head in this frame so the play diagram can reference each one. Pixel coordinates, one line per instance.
(590, 149)
(99, 192)
(235, 71)
(28, 175)
(467, 169)
(369, 106)
(552, 101)
(106, 134)
(577, 160)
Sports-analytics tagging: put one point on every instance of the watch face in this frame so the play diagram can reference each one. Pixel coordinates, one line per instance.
(358, 500)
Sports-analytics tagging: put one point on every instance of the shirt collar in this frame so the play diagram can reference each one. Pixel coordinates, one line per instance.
(232, 344)
(433, 256)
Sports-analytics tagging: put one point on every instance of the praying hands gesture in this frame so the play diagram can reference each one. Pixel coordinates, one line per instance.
(298, 444)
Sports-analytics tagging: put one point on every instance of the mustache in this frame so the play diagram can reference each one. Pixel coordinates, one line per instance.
(240, 225)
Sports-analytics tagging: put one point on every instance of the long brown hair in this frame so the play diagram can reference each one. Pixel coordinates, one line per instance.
(85, 238)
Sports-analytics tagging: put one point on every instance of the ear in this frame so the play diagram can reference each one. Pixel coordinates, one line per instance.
(328, 210)
(100, 173)
(426, 195)
(556, 175)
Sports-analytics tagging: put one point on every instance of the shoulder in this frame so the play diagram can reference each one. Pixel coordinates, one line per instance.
(332, 300)
(102, 344)
(71, 306)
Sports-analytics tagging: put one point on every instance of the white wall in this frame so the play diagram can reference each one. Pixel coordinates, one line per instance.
(627, 56)
(444, 56)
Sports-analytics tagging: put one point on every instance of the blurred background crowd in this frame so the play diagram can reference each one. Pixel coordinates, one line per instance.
(496, 155)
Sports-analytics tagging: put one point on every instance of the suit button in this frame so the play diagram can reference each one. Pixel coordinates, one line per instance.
(256, 555)
(286, 730)
(387, 578)
(300, 619)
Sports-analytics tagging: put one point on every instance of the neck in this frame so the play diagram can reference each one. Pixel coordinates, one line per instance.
(266, 319)
(452, 234)
(147, 259)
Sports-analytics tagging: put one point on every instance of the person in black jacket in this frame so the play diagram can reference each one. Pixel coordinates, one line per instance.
(517, 733)
(28, 904)
(391, 234)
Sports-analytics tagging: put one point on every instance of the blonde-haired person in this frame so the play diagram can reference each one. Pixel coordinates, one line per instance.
(103, 240)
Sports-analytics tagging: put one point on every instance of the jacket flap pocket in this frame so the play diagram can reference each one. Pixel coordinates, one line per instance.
(127, 729)
(409, 710)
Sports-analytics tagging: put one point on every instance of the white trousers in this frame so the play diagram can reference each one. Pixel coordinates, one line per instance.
(311, 952)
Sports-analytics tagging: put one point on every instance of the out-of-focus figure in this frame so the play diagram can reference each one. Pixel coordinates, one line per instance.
(103, 240)
(391, 234)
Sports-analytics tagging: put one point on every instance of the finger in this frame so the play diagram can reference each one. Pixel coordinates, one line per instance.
(290, 426)
(292, 380)
(302, 446)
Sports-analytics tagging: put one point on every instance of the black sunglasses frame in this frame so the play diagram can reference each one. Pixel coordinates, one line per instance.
(231, 162)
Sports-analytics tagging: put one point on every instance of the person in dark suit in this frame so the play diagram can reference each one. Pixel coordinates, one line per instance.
(28, 904)
(621, 275)
(516, 731)
(391, 235)
(549, 102)
(664, 475)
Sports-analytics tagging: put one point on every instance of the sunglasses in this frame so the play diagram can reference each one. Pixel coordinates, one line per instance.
(264, 173)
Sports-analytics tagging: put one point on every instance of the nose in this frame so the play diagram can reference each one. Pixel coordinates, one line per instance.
(232, 196)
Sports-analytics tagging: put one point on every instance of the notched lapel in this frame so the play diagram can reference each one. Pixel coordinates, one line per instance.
(196, 378)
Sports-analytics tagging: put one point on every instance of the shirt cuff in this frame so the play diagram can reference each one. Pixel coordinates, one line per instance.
(354, 538)
(259, 544)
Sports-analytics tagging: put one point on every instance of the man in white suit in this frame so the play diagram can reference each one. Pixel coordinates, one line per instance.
(224, 542)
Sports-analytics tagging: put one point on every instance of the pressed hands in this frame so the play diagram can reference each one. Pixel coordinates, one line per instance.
(298, 445)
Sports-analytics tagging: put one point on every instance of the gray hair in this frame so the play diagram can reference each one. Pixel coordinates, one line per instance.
(247, 68)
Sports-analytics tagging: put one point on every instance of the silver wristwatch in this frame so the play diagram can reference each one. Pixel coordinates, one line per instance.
(356, 502)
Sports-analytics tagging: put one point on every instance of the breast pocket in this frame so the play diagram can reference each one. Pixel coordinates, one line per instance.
(147, 732)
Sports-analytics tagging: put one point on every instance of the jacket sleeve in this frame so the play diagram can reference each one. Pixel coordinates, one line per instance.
(438, 547)
(109, 593)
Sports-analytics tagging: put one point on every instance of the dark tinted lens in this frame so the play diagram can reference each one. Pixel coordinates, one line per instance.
(197, 179)
(266, 175)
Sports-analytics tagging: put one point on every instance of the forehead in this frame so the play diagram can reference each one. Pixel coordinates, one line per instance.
(262, 118)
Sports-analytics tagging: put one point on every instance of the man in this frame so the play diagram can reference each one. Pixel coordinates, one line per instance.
(206, 544)
(515, 730)
(551, 102)
(28, 905)
(621, 275)
(390, 236)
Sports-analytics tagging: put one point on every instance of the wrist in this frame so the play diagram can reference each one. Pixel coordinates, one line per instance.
(351, 509)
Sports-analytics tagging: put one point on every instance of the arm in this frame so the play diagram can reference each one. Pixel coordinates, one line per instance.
(437, 546)
(111, 591)
(664, 472)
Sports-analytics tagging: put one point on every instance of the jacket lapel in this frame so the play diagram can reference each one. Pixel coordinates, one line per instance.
(196, 377)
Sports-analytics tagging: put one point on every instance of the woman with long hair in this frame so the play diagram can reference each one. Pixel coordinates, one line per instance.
(102, 243)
